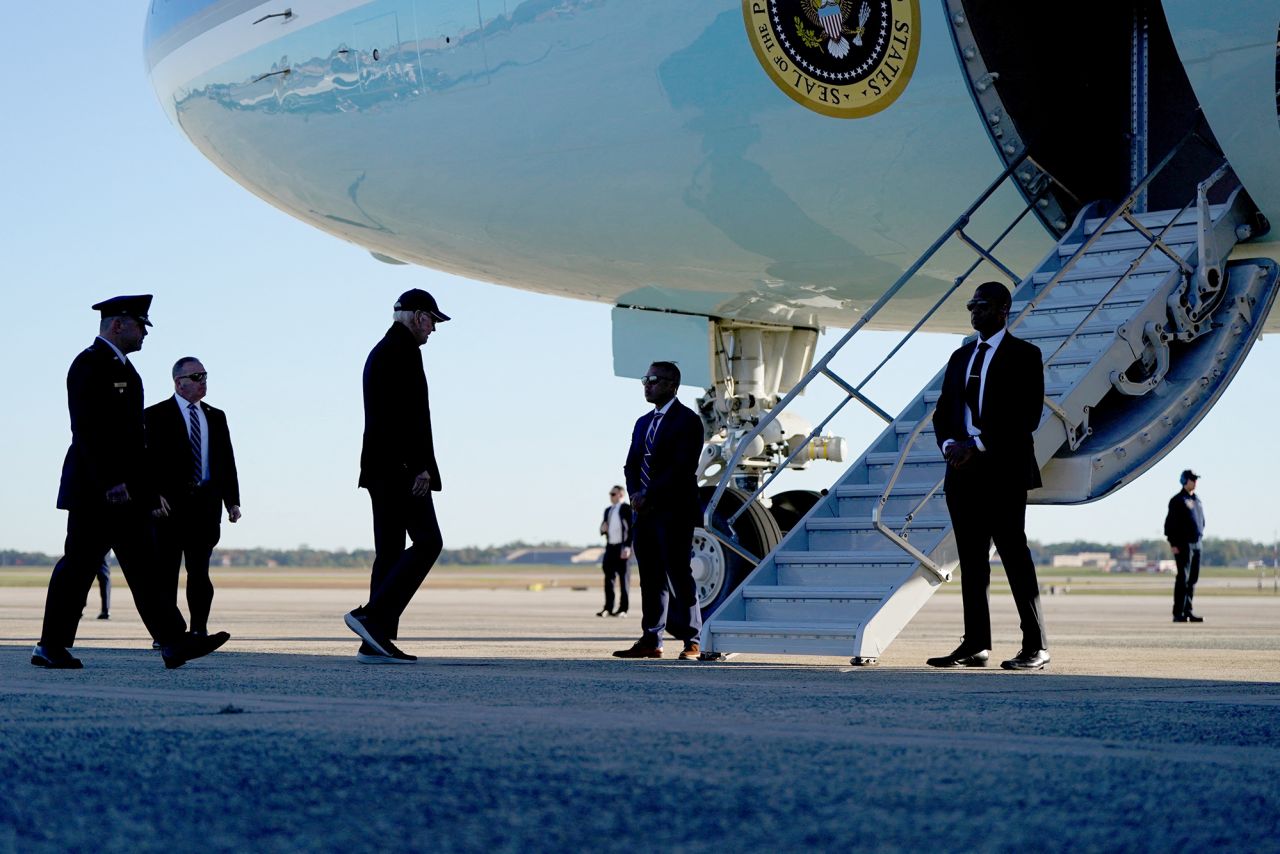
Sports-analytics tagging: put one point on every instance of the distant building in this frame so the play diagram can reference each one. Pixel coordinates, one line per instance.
(553, 556)
(1095, 560)
(1135, 562)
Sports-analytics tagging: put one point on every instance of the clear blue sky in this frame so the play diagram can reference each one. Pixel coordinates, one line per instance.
(103, 196)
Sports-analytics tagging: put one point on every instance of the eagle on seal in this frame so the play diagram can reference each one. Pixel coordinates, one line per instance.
(830, 16)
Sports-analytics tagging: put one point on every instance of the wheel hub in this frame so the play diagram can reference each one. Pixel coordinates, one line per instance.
(706, 560)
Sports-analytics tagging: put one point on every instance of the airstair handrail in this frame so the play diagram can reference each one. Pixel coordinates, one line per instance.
(854, 392)
(1124, 209)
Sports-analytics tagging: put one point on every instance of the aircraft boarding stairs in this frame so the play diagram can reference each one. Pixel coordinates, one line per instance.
(1139, 338)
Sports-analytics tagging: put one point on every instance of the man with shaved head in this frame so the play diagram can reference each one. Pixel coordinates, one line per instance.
(987, 415)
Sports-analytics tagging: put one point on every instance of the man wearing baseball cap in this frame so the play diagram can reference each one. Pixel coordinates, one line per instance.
(1184, 529)
(105, 492)
(398, 467)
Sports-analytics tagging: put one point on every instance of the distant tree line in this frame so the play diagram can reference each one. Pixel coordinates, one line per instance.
(304, 556)
(1217, 552)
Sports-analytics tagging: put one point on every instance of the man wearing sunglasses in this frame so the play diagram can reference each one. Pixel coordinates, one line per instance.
(398, 467)
(661, 474)
(987, 414)
(106, 493)
(193, 467)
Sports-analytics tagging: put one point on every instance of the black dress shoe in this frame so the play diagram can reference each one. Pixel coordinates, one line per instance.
(602, 612)
(1179, 619)
(1192, 618)
(54, 658)
(962, 657)
(104, 616)
(1027, 659)
(190, 647)
(621, 613)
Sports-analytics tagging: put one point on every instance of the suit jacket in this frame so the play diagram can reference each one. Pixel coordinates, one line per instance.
(673, 465)
(108, 442)
(169, 458)
(624, 518)
(398, 445)
(1012, 402)
(1184, 523)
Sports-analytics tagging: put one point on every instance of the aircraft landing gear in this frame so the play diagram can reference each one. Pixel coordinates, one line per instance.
(718, 570)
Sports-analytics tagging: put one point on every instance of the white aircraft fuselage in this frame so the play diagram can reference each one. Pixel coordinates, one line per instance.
(655, 154)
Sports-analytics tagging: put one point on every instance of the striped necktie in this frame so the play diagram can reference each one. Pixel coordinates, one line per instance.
(973, 385)
(196, 442)
(649, 436)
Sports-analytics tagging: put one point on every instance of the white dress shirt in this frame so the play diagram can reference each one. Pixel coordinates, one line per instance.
(993, 343)
(615, 523)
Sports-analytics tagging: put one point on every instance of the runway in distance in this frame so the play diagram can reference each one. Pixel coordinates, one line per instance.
(734, 176)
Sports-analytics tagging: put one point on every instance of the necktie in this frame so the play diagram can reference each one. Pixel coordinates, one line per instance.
(973, 385)
(196, 442)
(649, 436)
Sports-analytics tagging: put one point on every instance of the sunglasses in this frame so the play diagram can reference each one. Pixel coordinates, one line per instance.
(197, 377)
(653, 379)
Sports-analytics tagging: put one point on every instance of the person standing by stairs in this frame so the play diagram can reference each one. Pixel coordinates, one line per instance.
(1184, 529)
(661, 475)
(989, 409)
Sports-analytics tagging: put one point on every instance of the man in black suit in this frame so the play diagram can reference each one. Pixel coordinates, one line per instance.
(398, 467)
(661, 474)
(616, 528)
(988, 412)
(1184, 529)
(194, 469)
(108, 499)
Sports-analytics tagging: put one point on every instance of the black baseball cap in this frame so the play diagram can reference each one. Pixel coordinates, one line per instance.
(419, 300)
(1187, 475)
(135, 306)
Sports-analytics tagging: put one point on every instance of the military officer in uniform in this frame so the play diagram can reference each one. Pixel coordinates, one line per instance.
(105, 493)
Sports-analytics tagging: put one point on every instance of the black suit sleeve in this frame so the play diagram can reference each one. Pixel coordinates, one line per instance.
(948, 416)
(224, 458)
(635, 454)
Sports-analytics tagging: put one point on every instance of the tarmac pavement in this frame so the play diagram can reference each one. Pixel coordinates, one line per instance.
(518, 732)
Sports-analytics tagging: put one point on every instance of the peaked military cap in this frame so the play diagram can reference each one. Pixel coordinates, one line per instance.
(419, 300)
(135, 306)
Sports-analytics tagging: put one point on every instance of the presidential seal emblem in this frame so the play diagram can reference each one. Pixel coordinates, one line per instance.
(844, 58)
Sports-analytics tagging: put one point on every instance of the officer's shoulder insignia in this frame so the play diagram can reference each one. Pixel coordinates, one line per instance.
(844, 58)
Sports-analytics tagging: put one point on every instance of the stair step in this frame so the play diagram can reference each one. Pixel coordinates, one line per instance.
(1052, 306)
(864, 594)
(841, 523)
(846, 558)
(917, 457)
(1096, 327)
(761, 628)
(1152, 267)
(1151, 219)
(1131, 240)
(875, 490)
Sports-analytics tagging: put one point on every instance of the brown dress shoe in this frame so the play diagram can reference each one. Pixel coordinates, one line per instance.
(639, 649)
(691, 651)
